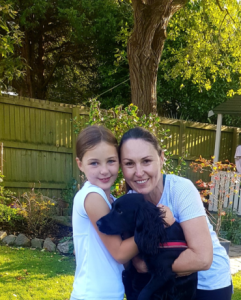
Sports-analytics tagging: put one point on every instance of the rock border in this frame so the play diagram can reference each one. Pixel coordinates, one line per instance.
(64, 247)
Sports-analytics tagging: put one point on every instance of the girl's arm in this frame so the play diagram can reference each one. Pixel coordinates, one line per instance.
(121, 251)
(199, 254)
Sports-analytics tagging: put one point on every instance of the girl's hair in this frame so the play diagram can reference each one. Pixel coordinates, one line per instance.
(139, 133)
(91, 136)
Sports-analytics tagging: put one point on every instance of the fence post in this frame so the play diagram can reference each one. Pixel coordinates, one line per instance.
(76, 172)
(235, 143)
(1, 156)
(182, 139)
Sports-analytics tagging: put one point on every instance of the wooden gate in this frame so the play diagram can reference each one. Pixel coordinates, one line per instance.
(227, 183)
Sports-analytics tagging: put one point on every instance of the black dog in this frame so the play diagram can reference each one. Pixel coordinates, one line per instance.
(159, 246)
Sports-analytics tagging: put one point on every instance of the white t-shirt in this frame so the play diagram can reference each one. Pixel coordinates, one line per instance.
(97, 275)
(183, 199)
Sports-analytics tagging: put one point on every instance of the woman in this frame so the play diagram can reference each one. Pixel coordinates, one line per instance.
(142, 160)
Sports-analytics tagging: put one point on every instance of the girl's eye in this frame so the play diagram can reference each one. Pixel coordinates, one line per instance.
(94, 163)
(111, 161)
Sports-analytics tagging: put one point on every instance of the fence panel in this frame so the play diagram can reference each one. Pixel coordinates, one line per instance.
(38, 144)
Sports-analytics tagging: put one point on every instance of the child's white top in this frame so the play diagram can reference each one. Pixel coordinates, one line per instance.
(98, 275)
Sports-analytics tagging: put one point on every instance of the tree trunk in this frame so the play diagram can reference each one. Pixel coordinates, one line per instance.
(145, 47)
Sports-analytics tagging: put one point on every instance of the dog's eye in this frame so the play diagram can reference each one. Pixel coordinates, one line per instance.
(119, 210)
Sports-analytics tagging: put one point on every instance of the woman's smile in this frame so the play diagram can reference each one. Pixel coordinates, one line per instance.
(141, 165)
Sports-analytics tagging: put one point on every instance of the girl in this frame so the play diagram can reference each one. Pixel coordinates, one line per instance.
(99, 257)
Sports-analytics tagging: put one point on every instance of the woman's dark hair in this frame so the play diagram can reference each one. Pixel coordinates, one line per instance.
(139, 133)
(91, 136)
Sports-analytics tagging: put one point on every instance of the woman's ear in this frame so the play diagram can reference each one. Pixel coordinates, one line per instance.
(79, 164)
(162, 158)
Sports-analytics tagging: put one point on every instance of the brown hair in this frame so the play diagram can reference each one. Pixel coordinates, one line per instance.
(139, 133)
(91, 136)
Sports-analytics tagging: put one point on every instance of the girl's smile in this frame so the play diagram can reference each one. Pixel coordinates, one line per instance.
(100, 165)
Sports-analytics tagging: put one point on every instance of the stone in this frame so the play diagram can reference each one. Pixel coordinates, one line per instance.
(22, 241)
(3, 234)
(37, 243)
(49, 245)
(9, 240)
(66, 247)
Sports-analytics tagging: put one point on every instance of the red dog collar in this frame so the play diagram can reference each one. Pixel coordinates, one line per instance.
(173, 245)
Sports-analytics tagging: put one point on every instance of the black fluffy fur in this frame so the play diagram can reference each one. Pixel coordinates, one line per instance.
(133, 215)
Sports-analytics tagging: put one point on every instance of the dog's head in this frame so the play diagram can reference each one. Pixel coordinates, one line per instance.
(133, 214)
(122, 217)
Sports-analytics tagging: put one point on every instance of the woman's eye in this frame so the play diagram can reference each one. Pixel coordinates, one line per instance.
(147, 161)
(128, 164)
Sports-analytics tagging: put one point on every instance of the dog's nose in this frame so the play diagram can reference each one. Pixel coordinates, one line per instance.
(98, 223)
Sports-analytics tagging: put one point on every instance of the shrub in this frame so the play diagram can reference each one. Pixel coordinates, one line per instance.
(37, 211)
(231, 226)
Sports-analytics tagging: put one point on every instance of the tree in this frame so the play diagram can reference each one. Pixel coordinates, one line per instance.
(10, 37)
(145, 47)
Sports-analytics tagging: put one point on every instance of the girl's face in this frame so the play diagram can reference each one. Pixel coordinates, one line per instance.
(141, 165)
(100, 165)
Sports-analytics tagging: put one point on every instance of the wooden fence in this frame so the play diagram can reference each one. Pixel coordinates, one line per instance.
(39, 143)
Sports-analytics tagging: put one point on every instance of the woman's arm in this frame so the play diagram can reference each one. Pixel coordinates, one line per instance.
(121, 251)
(199, 254)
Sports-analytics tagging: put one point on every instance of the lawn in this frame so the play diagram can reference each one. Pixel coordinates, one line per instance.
(33, 274)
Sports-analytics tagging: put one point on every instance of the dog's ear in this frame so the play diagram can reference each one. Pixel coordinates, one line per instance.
(150, 230)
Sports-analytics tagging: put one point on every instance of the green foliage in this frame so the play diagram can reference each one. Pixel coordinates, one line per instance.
(119, 120)
(37, 211)
(6, 196)
(231, 226)
(204, 44)
(11, 67)
(9, 215)
(68, 194)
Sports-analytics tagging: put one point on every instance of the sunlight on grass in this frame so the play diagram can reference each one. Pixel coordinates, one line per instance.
(32, 274)
(237, 286)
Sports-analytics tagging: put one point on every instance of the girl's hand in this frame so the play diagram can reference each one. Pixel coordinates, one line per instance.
(169, 218)
(139, 264)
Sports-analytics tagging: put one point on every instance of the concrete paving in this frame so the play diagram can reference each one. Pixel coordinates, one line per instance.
(235, 258)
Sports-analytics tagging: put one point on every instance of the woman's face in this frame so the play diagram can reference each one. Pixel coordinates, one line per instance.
(141, 165)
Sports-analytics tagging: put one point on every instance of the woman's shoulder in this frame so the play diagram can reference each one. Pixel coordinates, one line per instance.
(175, 179)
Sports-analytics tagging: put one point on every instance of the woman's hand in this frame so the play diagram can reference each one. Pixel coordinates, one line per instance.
(139, 264)
(169, 218)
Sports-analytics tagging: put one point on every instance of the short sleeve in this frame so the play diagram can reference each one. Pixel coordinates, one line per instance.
(187, 203)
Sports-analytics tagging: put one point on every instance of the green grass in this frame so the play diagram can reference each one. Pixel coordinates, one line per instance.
(237, 286)
(31, 274)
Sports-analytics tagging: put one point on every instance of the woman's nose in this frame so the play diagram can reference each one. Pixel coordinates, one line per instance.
(139, 171)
